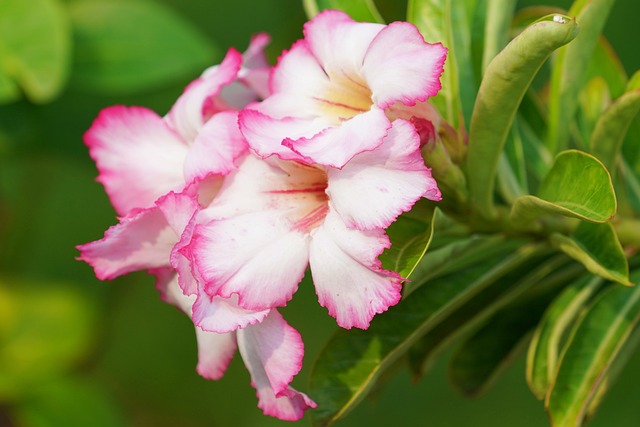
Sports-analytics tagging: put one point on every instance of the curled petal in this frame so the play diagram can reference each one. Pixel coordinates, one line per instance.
(138, 156)
(142, 240)
(377, 186)
(215, 352)
(222, 315)
(194, 107)
(258, 256)
(348, 277)
(339, 43)
(400, 66)
(265, 134)
(337, 145)
(272, 352)
(216, 147)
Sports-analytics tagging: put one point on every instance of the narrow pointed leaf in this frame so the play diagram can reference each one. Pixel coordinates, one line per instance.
(544, 350)
(596, 246)
(447, 22)
(569, 70)
(611, 128)
(456, 256)
(496, 30)
(505, 82)
(592, 348)
(352, 360)
(478, 362)
(35, 42)
(576, 186)
(469, 316)
(360, 10)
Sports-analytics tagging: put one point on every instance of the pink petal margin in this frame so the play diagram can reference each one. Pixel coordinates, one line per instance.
(347, 274)
(138, 156)
(401, 66)
(272, 352)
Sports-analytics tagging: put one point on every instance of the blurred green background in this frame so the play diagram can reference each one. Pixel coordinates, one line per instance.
(75, 351)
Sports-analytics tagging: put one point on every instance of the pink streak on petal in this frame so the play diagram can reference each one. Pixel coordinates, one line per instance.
(138, 156)
(377, 186)
(400, 66)
(142, 240)
(272, 352)
(347, 274)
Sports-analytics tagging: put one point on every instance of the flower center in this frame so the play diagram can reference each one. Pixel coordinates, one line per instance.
(345, 97)
(304, 194)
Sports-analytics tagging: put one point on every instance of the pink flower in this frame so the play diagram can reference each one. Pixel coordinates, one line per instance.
(272, 218)
(158, 172)
(332, 89)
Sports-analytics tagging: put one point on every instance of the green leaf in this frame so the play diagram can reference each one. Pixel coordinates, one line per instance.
(449, 22)
(473, 313)
(478, 362)
(609, 132)
(359, 10)
(410, 240)
(606, 64)
(542, 357)
(596, 246)
(498, 21)
(505, 82)
(35, 44)
(70, 403)
(46, 328)
(577, 186)
(587, 357)
(129, 46)
(352, 360)
(569, 70)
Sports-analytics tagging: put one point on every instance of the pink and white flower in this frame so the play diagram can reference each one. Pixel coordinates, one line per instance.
(272, 218)
(332, 90)
(158, 172)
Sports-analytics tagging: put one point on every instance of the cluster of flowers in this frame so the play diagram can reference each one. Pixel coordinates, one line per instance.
(258, 172)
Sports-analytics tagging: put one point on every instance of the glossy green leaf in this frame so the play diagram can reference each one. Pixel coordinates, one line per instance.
(46, 328)
(577, 186)
(352, 360)
(606, 65)
(478, 362)
(70, 403)
(596, 246)
(473, 313)
(448, 22)
(505, 82)
(588, 355)
(569, 70)
(410, 238)
(35, 44)
(130, 46)
(617, 366)
(610, 130)
(360, 10)
(544, 349)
